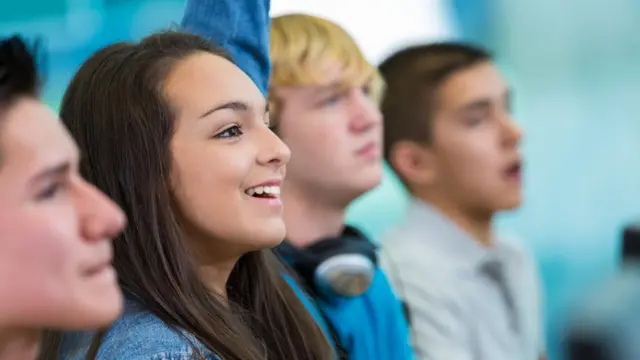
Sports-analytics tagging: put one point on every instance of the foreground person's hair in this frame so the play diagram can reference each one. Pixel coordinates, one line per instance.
(18, 73)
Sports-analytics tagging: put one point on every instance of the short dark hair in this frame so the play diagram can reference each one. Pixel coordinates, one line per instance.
(413, 77)
(18, 72)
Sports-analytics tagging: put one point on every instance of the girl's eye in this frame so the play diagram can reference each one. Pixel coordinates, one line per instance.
(231, 132)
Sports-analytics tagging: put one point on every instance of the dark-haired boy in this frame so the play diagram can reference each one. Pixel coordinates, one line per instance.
(450, 137)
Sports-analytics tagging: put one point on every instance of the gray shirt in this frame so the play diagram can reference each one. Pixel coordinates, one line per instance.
(466, 301)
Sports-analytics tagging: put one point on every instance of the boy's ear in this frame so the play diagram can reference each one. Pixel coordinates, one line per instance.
(415, 163)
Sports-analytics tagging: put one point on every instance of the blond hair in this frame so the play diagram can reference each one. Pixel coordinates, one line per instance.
(303, 46)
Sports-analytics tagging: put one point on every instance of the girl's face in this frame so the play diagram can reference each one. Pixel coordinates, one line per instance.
(227, 164)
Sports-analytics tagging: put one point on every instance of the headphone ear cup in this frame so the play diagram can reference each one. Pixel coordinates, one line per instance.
(342, 266)
(346, 275)
(347, 268)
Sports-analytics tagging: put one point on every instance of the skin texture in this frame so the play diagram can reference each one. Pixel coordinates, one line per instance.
(55, 229)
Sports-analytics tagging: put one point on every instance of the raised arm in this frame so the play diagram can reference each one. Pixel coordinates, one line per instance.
(241, 27)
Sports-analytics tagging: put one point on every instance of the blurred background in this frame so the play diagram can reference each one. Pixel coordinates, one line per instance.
(574, 68)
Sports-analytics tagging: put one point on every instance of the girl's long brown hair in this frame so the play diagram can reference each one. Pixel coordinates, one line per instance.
(116, 110)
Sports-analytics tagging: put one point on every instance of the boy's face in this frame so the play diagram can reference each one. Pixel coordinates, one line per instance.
(55, 229)
(335, 137)
(475, 157)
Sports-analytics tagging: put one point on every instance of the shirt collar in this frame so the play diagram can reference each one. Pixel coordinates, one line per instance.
(443, 235)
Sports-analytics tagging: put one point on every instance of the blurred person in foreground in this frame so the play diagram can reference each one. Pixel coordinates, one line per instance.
(55, 228)
(323, 99)
(450, 137)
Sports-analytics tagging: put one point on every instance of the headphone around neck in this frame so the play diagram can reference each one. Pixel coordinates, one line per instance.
(342, 266)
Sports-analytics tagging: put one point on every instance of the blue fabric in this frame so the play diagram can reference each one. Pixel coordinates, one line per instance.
(137, 335)
(141, 335)
(475, 21)
(371, 326)
(311, 306)
(241, 27)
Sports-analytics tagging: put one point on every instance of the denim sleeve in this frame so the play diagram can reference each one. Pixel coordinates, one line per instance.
(240, 27)
(175, 356)
(152, 349)
(129, 342)
(149, 345)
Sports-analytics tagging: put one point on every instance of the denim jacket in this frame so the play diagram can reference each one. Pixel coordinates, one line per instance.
(141, 335)
(137, 335)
